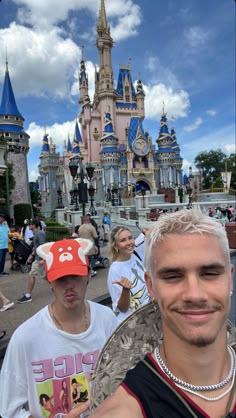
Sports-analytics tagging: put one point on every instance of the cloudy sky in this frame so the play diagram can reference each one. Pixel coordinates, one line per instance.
(183, 50)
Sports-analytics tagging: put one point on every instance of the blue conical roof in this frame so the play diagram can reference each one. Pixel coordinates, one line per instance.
(78, 137)
(8, 104)
(45, 146)
(69, 146)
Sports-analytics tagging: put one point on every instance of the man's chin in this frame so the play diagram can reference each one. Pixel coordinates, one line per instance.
(201, 341)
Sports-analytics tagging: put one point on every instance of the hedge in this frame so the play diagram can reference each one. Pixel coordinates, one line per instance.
(22, 211)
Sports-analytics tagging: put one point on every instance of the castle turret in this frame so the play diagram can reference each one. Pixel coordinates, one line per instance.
(140, 96)
(83, 82)
(17, 143)
(166, 155)
(109, 154)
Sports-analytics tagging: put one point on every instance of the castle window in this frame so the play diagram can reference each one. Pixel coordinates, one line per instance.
(127, 96)
(6, 117)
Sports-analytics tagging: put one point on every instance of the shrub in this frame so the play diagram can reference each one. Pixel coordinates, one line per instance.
(22, 211)
(55, 233)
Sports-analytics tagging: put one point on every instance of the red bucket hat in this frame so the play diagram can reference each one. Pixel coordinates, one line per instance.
(65, 257)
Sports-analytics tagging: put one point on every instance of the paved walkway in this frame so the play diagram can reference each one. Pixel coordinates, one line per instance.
(14, 286)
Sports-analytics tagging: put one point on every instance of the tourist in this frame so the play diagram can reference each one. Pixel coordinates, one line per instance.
(192, 371)
(26, 233)
(61, 341)
(12, 234)
(125, 281)
(37, 268)
(88, 231)
(106, 224)
(75, 234)
(3, 243)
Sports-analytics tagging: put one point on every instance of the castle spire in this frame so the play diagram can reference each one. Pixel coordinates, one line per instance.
(104, 45)
(8, 103)
(102, 21)
(83, 79)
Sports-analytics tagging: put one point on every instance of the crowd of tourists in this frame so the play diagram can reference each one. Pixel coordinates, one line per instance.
(51, 358)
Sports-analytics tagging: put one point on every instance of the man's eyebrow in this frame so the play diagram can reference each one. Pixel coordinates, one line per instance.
(165, 270)
(179, 269)
(218, 266)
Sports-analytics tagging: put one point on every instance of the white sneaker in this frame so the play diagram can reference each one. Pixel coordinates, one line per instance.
(93, 273)
(7, 306)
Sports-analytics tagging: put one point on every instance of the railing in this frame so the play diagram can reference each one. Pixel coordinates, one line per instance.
(133, 216)
(123, 214)
(56, 233)
(213, 190)
(232, 192)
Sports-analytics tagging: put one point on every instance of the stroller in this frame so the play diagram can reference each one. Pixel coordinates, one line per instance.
(21, 253)
(100, 261)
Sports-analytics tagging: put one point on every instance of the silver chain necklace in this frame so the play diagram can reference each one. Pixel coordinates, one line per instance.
(58, 324)
(188, 386)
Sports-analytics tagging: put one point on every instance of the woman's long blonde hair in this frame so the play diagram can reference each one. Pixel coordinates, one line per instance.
(113, 252)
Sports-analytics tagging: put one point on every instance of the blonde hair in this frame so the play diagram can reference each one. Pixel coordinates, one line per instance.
(113, 253)
(186, 221)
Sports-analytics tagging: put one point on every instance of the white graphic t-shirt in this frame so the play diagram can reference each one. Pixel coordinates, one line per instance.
(133, 270)
(46, 371)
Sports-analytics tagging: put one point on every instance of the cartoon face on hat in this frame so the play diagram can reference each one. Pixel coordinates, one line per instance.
(65, 257)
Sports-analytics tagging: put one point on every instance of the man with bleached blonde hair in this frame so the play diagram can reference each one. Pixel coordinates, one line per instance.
(191, 373)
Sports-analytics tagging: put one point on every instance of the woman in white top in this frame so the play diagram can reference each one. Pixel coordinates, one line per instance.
(126, 282)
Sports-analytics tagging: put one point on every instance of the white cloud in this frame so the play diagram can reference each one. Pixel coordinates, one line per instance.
(176, 102)
(33, 174)
(124, 15)
(128, 21)
(41, 63)
(46, 13)
(230, 148)
(211, 112)
(186, 165)
(196, 36)
(58, 132)
(195, 125)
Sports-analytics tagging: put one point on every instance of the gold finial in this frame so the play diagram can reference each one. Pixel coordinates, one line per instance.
(6, 61)
(129, 63)
(82, 52)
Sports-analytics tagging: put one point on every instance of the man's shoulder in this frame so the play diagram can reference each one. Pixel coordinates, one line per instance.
(29, 327)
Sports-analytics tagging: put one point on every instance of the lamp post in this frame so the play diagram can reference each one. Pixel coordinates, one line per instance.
(189, 191)
(82, 191)
(59, 198)
(143, 192)
(91, 192)
(119, 195)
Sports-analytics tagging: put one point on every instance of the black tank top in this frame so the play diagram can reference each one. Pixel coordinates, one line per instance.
(155, 398)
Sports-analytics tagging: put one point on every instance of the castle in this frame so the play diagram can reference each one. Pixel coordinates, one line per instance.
(109, 133)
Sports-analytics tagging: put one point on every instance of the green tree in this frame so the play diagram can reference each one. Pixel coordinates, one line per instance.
(211, 164)
(3, 181)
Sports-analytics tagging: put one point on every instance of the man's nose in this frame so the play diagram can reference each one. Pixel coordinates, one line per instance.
(194, 289)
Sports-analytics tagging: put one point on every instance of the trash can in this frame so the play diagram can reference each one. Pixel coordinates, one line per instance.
(231, 234)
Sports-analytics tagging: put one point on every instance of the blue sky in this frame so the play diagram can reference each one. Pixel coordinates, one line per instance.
(184, 51)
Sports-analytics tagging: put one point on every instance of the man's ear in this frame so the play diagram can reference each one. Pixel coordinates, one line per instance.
(232, 277)
(149, 285)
